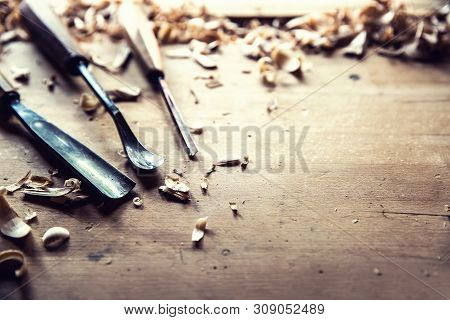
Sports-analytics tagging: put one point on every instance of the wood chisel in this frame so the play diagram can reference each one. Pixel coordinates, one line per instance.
(55, 42)
(87, 166)
(145, 48)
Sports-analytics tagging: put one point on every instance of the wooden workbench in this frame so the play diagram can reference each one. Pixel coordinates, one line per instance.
(370, 192)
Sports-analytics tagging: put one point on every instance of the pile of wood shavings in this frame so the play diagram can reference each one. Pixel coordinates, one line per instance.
(403, 32)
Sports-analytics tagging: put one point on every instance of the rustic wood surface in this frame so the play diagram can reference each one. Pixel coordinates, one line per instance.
(376, 150)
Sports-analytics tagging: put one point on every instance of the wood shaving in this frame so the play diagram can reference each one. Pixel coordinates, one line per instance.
(377, 271)
(228, 163)
(19, 184)
(70, 185)
(208, 173)
(233, 207)
(199, 230)
(272, 105)
(124, 94)
(13, 262)
(50, 83)
(88, 102)
(176, 185)
(205, 61)
(29, 216)
(267, 71)
(204, 184)
(10, 223)
(355, 221)
(20, 74)
(138, 202)
(213, 83)
(38, 182)
(176, 194)
(357, 47)
(55, 237)
(196, 130)
(244, 162)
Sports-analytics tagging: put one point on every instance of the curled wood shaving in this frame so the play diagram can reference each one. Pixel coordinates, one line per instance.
(70, 185)
(19, 184)
(10, 223)
(357, 47)
(88, 102)
(199, 230)
(124, 94)
(13, 261)
(176, 194)
(38, 182)
(138, 202)
(55, 237)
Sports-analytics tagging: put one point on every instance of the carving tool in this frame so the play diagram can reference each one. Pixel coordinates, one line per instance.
(143, 43)
(55, 42)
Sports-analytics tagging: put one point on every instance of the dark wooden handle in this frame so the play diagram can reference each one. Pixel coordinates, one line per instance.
(51, 35)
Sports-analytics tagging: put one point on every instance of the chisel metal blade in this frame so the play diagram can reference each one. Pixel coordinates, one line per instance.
(143, 43)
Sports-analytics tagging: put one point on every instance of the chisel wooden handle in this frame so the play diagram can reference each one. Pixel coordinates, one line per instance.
(142, 40)
(51, 35)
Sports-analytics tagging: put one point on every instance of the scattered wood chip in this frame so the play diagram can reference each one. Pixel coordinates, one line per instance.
(13, 262)
(245, 162)
(35, 182)
(267, 71)
(213, 83)
(205, 61)
(199, 229)
(194, 95)
(355, 221)
(204, 184)
(20, 74)
(272, 105)
(125, 94)
(176, 194)
(13, 35)
(196, 130)
(138, 202)
(19, 184)
(377, 271)
(447, 208)
(285, 58)
(50, 83)
(357, 47)
(233, 207)
(175, 188)
(88, 102)
(29, 216)
(228, 163)
(54, 237)
(10, 223)
(122, 153)
(70, 185)
(53, 172)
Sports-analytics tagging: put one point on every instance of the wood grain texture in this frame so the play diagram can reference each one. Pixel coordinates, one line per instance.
(376, 148)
